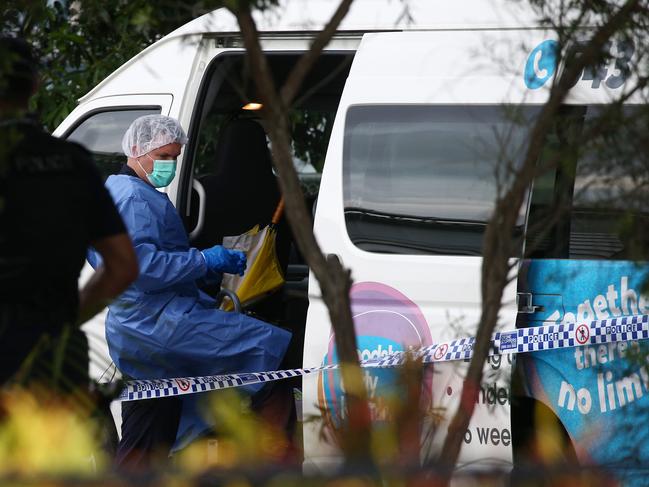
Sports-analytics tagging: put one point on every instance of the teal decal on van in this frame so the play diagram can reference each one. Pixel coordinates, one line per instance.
(541, 64)
(380, 384)
(599, 392)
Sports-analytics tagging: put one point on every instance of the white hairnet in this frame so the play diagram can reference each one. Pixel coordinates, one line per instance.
(151, 132)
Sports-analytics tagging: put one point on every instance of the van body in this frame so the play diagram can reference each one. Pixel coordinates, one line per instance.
(410, 180)
(415, 105)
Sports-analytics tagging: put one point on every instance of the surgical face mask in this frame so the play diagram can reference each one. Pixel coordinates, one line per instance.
(163, 172)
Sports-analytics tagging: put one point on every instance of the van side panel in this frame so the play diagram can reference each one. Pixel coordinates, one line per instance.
(400, 300)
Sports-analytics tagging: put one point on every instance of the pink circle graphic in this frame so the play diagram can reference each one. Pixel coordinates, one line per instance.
(385, 321)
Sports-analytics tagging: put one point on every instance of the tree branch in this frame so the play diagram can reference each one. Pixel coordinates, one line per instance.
(306, 62)
(335, 281)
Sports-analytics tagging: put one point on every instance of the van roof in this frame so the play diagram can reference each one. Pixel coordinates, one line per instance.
(374, 15)
(292, 16)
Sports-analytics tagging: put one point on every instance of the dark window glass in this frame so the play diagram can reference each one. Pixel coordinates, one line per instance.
(424, 179)
(310, 131)
(102, 132)
(593, 204)
(229, 87)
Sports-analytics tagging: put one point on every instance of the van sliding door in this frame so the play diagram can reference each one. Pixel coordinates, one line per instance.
(586, 260)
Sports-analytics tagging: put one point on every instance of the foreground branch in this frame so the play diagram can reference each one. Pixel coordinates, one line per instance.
(305, 63)
(334, 279)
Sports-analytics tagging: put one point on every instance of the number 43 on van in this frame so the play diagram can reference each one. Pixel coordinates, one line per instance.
(541, 64)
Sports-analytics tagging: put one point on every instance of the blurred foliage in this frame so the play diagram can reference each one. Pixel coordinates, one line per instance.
(81, 42)
(42, 434)
(250, 4)
(46, 440)
(240, 435)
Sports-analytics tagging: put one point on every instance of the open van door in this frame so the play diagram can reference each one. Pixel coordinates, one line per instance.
(410, 180)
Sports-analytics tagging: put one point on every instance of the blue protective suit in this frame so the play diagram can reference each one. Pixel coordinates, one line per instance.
(163, 326)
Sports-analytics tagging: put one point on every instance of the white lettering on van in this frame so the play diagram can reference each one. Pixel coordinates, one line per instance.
(377, 353)
(371, 381)
(603, 306)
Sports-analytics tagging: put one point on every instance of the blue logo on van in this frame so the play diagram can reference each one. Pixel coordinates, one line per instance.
(541, 64)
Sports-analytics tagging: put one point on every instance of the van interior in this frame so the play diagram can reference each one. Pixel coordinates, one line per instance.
(229, 157)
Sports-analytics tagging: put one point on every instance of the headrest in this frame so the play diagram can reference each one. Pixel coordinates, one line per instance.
(242, 148)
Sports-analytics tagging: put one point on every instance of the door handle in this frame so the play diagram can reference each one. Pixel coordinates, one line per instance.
(200, 190)
(236, 303)
(526, 305)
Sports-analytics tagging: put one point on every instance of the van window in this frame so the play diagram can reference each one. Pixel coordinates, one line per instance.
(424, 179)
(101, 133)
(595, 205)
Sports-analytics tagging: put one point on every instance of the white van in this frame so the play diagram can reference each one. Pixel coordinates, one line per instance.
(397, 127)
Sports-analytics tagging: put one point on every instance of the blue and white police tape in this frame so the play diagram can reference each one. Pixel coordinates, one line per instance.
(521, 340)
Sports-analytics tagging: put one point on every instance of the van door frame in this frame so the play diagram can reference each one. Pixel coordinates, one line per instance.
(111, 103)
(185, 179)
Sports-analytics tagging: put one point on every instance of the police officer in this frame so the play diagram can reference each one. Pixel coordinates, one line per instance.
(53, 206)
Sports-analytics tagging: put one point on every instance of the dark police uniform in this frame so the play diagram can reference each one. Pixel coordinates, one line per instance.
(53, 204)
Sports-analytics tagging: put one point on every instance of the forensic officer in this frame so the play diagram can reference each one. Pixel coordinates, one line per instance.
(163, 326)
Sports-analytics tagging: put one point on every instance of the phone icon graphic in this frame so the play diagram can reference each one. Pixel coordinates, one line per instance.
(541, 64)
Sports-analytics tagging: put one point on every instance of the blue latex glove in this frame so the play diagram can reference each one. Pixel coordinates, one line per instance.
(220, 259)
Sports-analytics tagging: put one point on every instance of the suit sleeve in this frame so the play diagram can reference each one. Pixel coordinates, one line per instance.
(159, 268)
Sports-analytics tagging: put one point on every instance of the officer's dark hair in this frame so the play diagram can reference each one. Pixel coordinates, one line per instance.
(18, 69)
